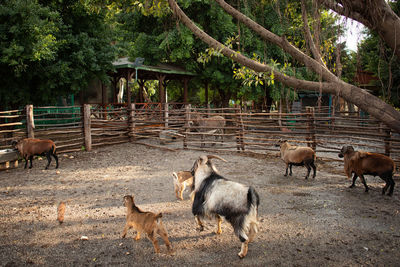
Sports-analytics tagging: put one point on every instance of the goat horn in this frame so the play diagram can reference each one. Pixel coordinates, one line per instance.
(215, 157)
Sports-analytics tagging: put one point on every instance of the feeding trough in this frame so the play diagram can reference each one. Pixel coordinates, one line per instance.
(8, 158)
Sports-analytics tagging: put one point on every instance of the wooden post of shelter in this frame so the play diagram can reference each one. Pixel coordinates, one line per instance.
(128, 90)
(185, 91)
(30, 123)
(132, 124)
(141, 86)
(187, 126)
(311, 127)
(86, 127)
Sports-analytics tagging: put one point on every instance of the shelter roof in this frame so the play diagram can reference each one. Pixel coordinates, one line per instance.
(147, 72)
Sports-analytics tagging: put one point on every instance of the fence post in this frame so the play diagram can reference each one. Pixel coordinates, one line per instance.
(311, 127)
(132, 125)
(240, 130)
(187, 129)
(388, 143)
(86, 127)
(30, 122)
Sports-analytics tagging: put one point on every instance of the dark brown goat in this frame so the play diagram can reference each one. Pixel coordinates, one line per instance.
(30, 147)
(361, 163)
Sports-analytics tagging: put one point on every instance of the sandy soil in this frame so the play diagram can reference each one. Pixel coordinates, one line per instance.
(303, 222)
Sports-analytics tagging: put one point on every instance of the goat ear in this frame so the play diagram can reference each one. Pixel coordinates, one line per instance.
(203, 160)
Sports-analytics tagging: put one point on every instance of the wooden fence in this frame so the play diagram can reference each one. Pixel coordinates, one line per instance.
(169, 126)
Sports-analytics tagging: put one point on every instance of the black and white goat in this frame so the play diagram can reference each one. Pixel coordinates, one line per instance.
(215, 196)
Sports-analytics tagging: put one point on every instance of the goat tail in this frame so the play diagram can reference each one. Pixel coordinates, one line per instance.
(158, 217)
(249, 225)
(175, 176)
(54, 149)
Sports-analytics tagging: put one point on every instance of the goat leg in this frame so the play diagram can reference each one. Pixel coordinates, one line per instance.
(126, 228)
(314, 168)
(48, 160)
(219, 222)
(162, 232)
(243, 250)
(199, 223)
(308, 170)
(287, 166)
(364, 182)
(137, 237)
(354, 181)
(30, 162)
(153, 239)
(56, 158)
(290, 167)
(26, 162)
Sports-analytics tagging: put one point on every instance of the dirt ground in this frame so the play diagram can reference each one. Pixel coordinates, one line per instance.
(303, 222)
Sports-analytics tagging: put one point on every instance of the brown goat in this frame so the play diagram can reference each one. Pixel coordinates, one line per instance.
(147, 222)
(182, 179)
(30, 147)
(298, 156)
(214, 124)
(366, 163)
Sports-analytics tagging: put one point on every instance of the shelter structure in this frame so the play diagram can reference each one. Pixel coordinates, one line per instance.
(141, 73)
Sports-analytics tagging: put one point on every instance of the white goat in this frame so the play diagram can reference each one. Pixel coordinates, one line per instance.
(211, 125)
(215, 196)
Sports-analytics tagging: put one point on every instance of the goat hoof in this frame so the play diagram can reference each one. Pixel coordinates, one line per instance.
(241, 256)
(351, 186)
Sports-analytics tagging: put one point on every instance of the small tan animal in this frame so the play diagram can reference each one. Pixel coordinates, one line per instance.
(147, 222)
(182, 179)
(61, 212)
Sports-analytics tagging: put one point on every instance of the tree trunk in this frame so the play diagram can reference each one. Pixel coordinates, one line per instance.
(334, 85)
(376, 15)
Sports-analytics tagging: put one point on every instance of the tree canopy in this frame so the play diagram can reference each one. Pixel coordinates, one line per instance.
(50, 49)
(251, 50)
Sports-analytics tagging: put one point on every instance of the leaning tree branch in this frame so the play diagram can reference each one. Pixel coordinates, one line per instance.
(281, 42)
(289, 81)
(351, 93)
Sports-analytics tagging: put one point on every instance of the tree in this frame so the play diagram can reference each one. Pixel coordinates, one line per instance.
(50, 49)
(330, 84)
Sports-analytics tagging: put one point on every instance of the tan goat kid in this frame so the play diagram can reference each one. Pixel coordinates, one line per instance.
(145, 222)
(182, 180)
(298, 156)
(361, 163)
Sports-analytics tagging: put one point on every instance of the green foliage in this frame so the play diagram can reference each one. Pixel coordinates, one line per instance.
(50, 49)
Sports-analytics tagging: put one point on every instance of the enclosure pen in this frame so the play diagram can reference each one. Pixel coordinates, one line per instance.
(170, 126)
